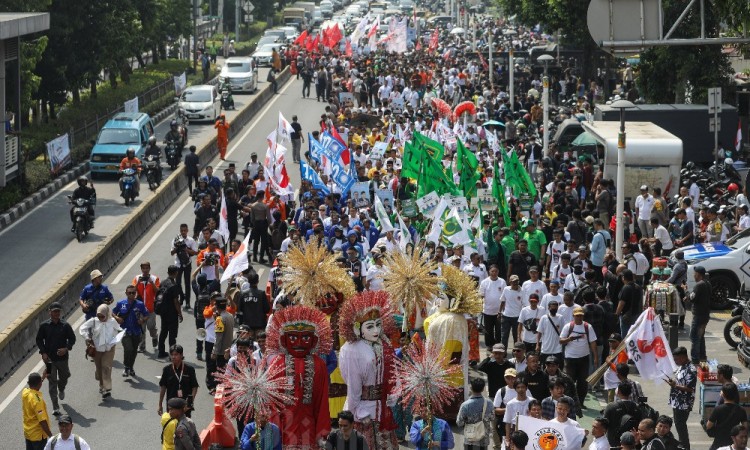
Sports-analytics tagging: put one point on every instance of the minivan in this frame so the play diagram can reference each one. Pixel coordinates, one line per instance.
(241, 73)
(123, 131)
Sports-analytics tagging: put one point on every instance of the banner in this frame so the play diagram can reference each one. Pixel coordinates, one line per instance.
(409, 207)
(224, 219)
(378, 150)
(331, 149)
(404, 234)
(386, 196)
(307, 173)
(284, 129)
(454, 230)
(239, 262)
(428, 203)
(382, 215)
(131, 106)
(439, 214)
(58, 151)
(649, 349)
(485, 200)
(550, 435)
(360, 194)
(180, 83)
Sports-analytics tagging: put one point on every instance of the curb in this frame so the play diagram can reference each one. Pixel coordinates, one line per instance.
(17, 340)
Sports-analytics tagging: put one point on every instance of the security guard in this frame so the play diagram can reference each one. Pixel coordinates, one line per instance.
(715, 228)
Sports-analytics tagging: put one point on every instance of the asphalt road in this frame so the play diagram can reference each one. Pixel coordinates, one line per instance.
(40, 246)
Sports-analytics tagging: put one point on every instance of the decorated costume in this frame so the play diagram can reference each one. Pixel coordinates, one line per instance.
(367, 366)
(448, 329)
(296, 336)
(317, 280)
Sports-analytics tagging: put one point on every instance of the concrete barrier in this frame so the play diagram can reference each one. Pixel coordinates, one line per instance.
(18, 340)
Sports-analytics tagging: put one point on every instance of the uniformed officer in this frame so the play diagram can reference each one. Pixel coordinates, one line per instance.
(715, 228)
(185, 434)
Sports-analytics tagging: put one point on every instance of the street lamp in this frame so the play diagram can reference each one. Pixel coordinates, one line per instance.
(622, 105)
(545, 59)
(511, 91)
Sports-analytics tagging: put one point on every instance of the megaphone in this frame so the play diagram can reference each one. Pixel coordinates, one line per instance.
(200, 334)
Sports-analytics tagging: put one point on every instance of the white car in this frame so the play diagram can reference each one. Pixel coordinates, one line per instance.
(201, 102)
(264, 55)
(241, 72)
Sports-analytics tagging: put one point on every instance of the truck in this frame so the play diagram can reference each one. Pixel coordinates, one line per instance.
(688, 122)
(294, 16)
(309, 8)
(653, 155)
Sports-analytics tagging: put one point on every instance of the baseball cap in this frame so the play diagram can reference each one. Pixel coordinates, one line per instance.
(578, 311)
(55, 306)
(244, 328)
(96, 273)
(615, 337)
(510, 373)
(644, 187)
(176, 402)
(64, 418)
(551, 360)
(513, 278)
(498, 348)
(519, 346)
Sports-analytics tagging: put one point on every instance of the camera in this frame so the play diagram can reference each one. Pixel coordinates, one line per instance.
(211, 259)
(180, 248)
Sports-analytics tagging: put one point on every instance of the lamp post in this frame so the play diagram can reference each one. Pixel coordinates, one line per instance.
(545, 59)
(622, 105)
(511, 91)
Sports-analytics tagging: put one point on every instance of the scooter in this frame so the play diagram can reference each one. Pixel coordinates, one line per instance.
(80, 217)
(127, 191)
(733, 328)
(173, 151)
(152, 164)
(227, 100)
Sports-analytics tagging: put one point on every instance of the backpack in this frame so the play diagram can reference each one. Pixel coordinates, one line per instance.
(630, 419)
(202, 300)
(580, 290)
(159, 303)
(76, 442)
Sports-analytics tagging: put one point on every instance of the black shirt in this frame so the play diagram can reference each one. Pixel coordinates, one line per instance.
(537, 383)
(701, 298)
(521, 263)
(297, 133)
(614, 412)
(724, 417)
(631, 294)
(495, 374)
(53, 336)
(173, 291)
(336, 441)
(192, 161)
(253, 308)
(179, 379)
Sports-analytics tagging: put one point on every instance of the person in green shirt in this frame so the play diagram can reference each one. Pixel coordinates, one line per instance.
(508, 242)
(537, 241)
(213, 51)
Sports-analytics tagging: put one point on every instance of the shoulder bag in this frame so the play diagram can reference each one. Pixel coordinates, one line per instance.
(475, 431)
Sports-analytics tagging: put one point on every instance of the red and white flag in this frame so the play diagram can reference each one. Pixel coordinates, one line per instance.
(224, 219)
(284, 129)
(647, 346)
(434, 40)
(239, 262)
(738, 139)
(345, 159)
(274, 166)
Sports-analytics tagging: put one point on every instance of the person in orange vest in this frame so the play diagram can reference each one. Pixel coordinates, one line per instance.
(147, 286)
(222, 135)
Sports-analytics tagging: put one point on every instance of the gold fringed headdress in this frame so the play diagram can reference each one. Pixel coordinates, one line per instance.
(409, 280)
(312, 272)
(462, 290)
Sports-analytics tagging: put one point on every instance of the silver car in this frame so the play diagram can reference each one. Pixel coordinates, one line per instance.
(201, 102)
(241, 72)
(264, 55)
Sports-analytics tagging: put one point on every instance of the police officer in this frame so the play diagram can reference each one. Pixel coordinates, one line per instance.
(714, 229)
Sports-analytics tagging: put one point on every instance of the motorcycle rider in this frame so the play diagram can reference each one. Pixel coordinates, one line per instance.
(229, 103)
(174, 135)
(87, 193)
(130, 161)
(154, 150)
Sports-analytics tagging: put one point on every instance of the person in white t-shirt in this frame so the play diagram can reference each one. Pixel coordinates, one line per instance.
(644, 203)
(548, 332)
(662, 236)
(527, 331)
(567, 307)
(533, 285)
(505, 394)
(555, 250)
(574, 279)
(519, 406)
(476, 268)
(491, 289)
(579, 339)
(562, 409)
(511, 302)
(375, 273)
(563, 269)
(553, 294)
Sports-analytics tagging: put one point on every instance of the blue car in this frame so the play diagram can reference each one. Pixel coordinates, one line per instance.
(123, 131)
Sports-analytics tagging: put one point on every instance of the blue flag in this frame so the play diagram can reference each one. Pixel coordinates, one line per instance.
(307, 173)
(330, 148)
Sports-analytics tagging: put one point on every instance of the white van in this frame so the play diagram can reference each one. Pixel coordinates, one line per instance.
(326, 7)
(653, 156)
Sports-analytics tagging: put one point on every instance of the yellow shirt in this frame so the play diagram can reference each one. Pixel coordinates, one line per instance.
(34, 412)
(168, 433)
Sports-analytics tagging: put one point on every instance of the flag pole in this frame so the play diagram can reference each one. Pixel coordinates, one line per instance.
(599, 373)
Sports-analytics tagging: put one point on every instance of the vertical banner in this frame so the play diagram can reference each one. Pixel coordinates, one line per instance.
(58, 151)
(180, 83)
(131, 106)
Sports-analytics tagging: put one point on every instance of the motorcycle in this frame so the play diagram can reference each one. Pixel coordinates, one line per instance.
(80, 217)
(127, 191)
(173, 152)
(227, 100)
(733, 329)
(152, 165)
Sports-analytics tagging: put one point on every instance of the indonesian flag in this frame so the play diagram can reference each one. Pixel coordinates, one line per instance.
(285, 129)
(345, 159)
(239, 262)
(447, 53)
(738, 139)
(648, 347)
(275, 169)
(484, 61)
(434, 40)
(224, 219)
(301, 38)
(334, 36)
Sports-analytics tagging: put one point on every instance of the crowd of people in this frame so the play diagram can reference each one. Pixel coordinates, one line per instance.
(544, 270)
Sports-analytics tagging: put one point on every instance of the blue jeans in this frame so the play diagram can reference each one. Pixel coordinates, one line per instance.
(697, 340)
(508, 325)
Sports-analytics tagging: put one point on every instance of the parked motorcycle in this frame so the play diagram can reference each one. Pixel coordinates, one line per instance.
(81, 217)
(733, 328)
(127, 189)
(152, 165)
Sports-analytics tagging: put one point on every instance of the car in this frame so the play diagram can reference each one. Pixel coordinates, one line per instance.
(123, 131)
(326, 7)
(267, 40)
(264, 55)
(281, 34)
(201, 102)
(727, 265)
(440, 21)
(241, 72)
(291, 33)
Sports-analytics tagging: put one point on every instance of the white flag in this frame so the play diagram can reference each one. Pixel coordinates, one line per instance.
(223, 219)
(455, 230)
(476, 222)
(239, 261)
(738, 138)
(550, 434)
(385, 222)
(284, 129)
(648, 347)
(437, 221)
(405, 235)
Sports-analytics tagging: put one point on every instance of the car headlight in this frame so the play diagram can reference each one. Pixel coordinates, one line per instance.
(96, 158)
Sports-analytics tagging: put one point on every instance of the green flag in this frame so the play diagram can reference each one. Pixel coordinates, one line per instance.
(411, 161)
(498, 191)
(432, 178)
(524, 177)
(425, 144)
(516, 175)
(467, 165)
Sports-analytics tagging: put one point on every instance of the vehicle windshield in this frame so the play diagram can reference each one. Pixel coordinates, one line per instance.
(267, 48)
(237, 67)
(118, 136)
(196, 96)
(733, 240)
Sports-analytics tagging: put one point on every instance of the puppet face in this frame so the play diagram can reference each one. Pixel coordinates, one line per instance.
(370, 330)
(299, 343)
(330, 303)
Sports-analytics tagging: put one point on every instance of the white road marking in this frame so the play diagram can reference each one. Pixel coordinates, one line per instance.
(156, 236)
(36, 368)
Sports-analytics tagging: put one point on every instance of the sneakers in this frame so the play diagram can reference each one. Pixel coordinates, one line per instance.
(61, 394)
(56, 412)
(132, 372)
(73, 229)
(163, 355)
(126, 372)
(141, 348)
(106, 394)
(199, 356)
(155, 342)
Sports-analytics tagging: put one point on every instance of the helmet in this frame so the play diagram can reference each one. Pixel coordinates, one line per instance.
(173, 124)
(733, 187)
(729, 161)
(82, 181)
(690, 165)
(130, 153)
(152, 140)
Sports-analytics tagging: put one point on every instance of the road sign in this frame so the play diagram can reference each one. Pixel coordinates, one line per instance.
(714, 100)
(248, 7)
(712, 122)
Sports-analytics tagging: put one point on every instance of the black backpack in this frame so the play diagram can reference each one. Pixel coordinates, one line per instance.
(159, 303)
(202, 300)
(630, 419)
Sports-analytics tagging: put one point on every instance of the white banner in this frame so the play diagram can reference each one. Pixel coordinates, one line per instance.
(649, 349)
(180, 83)
(550, 435)
(58, 151)
(428, 203)
(131, 106)
(385, 222)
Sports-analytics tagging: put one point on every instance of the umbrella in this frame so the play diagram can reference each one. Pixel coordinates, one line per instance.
(584, 139)
(366, 120)
(490, 123)
(458, 30)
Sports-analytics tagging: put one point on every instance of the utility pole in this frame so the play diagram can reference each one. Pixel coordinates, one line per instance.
(194, 55)
(545, 59)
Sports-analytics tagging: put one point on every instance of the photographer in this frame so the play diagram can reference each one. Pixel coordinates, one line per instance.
(184, 248)
(94, 294)
(211, 263)
(147, 286)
